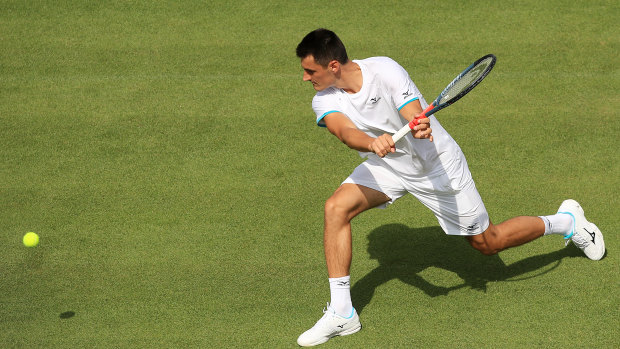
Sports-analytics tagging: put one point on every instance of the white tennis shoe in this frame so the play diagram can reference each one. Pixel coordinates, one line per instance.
(330, 325)
(584, 235)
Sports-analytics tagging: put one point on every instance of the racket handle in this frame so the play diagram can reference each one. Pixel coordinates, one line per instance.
(401, 133)
(413, 123)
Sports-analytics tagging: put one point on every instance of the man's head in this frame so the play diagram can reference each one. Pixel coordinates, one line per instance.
(321, 53)
(324, 45)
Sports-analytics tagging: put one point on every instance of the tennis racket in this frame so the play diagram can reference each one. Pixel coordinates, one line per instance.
(459, 87)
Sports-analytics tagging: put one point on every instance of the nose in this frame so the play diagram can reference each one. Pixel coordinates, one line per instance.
(306, 76)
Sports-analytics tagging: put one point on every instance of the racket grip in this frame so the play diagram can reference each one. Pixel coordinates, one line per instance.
(424, 114)
(401, 133)
(413, 123)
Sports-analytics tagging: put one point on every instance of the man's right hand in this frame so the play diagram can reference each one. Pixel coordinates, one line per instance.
(383, 145)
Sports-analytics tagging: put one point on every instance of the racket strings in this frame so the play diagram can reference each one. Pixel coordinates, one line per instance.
(466, 80)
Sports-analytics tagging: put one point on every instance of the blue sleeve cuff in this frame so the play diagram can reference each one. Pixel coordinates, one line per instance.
(409, 101)
(320, 122)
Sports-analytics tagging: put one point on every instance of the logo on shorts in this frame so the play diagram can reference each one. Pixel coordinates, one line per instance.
(472, 228)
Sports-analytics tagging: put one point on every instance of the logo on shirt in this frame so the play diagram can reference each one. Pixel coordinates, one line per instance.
(406, 94)
(375, 100)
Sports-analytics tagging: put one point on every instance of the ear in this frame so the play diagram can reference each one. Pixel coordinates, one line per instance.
(333, 66)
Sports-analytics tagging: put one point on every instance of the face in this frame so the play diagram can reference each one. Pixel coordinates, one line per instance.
(320, 77)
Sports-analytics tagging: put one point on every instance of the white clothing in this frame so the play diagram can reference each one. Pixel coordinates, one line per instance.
(387, 88)
(435, 172)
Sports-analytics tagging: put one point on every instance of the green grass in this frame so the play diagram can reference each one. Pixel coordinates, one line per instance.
(166, 154)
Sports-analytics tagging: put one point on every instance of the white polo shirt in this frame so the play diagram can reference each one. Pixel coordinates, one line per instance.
(387, 88)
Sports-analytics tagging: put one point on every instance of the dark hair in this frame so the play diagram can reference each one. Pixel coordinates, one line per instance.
(324, 45)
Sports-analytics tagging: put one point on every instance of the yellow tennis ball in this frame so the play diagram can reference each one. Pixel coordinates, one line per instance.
(31, 239)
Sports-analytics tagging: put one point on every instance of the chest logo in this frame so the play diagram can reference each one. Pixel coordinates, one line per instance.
(375, 100)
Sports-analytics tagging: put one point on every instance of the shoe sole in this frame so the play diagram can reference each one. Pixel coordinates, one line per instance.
(344, 333)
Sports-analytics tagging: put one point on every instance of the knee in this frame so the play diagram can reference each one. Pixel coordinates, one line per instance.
(334, 207)
(348, 201)
(486, 246)
(486, 250)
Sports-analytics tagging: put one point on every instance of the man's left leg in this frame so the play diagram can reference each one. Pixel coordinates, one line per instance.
(513, 232)
(570, 221)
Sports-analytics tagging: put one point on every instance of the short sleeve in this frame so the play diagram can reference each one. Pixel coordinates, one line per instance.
(399, 84)
(325, 103)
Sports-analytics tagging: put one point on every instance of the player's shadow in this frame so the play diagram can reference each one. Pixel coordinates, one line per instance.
(403, 253)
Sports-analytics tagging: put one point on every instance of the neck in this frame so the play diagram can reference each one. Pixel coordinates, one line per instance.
(350, 79)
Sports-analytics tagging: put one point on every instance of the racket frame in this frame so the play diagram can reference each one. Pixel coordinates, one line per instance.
(436, 106)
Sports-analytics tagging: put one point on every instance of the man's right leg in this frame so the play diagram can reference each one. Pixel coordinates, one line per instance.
(348, 201)
(340, 318)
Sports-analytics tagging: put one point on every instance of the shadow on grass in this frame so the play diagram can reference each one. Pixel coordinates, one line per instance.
(404, 252)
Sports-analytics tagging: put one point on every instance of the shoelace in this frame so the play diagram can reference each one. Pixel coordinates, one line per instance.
(322, 323)
(326, 309)
(327, 312)
(580, 241)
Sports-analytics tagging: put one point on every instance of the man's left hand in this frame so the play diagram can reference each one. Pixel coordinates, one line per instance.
(423, 130)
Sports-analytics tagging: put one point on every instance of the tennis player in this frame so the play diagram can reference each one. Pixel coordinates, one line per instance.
(363, 102)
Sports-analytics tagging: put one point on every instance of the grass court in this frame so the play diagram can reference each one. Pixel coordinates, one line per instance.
(167, 155)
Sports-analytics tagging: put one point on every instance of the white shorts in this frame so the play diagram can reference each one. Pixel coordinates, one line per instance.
(451, 196)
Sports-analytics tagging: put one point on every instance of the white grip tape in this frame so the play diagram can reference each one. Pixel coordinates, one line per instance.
(401, 133)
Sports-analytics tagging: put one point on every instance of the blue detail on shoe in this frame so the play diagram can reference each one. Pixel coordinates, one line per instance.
(350, 316)
(568, 236)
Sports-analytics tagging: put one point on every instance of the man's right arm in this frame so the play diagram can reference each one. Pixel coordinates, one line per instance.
(343, 128)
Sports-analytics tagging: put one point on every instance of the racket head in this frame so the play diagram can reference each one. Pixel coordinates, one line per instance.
(465, 82)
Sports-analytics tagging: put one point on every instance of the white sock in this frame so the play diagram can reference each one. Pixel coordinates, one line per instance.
(340, 289)
(559, 223)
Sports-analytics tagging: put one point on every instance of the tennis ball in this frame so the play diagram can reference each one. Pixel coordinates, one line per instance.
(31, 239)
